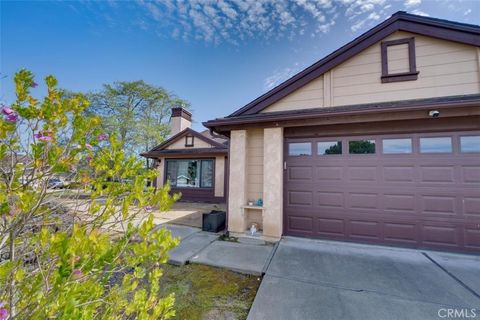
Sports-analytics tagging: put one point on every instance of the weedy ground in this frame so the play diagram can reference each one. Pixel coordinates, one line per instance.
(208, 293)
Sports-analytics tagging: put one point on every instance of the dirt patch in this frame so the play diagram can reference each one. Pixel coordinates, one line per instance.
(207, 293)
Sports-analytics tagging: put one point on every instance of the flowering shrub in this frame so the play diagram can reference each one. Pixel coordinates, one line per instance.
(66, 257)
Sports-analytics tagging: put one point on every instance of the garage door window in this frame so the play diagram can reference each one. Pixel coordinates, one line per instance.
(397, 146)
(329, 147)
(300, 149)
(436, 145)
(361, 146)
(470, 144)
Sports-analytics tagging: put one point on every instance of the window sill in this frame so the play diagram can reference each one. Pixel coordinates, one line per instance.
(192, 188)
(405, 76)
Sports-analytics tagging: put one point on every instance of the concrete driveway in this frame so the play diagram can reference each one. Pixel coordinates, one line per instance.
(313, 279)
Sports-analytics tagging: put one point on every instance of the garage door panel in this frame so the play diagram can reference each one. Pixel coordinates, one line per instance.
(471, 174)
(471, 206)
(300, 173)
(401, 232)
(397, 173)
(472, 237)
(445, 174)
(362, 200)
(399, 202)
(437, 235)
(301, 224)
(364, 229)
(329, 173)
(330, 199)
(364, 174)
(438, 204)
(331, 226)
(300, 198)
(419, 200)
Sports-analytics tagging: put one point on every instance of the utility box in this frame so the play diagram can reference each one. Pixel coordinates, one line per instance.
(214, 221)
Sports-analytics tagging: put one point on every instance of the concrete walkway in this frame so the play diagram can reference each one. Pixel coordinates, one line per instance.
(249, 258)
(196, 246)
(311, 279)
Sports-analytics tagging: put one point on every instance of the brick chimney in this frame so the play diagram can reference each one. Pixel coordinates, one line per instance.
(180, 120)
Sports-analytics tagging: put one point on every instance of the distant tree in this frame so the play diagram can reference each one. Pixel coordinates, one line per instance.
(334, 149)
(136, 111)
(361, 146)
(63, 256)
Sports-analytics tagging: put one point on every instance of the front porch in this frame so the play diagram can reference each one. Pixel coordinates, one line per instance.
(186, 213)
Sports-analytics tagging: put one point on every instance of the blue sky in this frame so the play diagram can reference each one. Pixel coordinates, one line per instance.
(219, 55)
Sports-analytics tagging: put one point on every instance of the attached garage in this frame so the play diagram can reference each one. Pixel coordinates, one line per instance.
(378, 142)
(418, 190)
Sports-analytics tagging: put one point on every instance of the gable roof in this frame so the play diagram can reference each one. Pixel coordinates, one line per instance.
(400, 21)
(160, 149)
(183, 133)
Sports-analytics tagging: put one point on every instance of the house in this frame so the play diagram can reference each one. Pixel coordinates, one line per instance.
(193, 162)
(378, 142)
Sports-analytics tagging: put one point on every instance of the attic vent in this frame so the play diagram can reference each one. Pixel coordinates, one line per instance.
(398, 60)
(189, 140)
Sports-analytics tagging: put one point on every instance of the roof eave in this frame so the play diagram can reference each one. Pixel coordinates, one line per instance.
(217, 124)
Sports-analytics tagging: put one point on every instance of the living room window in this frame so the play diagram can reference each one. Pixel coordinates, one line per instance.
(398, 60)
(190, 173)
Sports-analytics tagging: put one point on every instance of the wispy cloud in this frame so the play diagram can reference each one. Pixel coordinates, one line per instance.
(237, 21)
(281, 75)
(412, 3)
(420, 13)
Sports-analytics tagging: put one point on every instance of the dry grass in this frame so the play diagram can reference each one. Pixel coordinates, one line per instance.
(204, 292)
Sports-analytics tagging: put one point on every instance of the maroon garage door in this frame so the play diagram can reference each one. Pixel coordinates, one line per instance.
(417, 190)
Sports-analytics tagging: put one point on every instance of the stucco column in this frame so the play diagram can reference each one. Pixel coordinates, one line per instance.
(237, 180)
(273, 182)
(160, 172)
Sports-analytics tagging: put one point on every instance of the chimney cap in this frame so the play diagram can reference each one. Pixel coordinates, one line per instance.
(180, 112)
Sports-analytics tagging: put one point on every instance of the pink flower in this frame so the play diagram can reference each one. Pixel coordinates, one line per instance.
(12, 118)
(88, 158)
(33, 84)
(88, 146)
(77, 274)
(3, 312)
(148, 208)
(102, 137)
(45, 138)
(7, 111)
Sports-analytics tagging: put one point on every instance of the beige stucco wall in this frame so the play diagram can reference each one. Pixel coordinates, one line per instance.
(197, 143)
(160, 171)
(256, 171)
(237, 181)
(178, 124)
(254, 164)
(219, 176)
(308, 96)
(446, 68)
(273, 182)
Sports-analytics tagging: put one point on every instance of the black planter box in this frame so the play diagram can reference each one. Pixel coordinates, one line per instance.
(214, 221)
